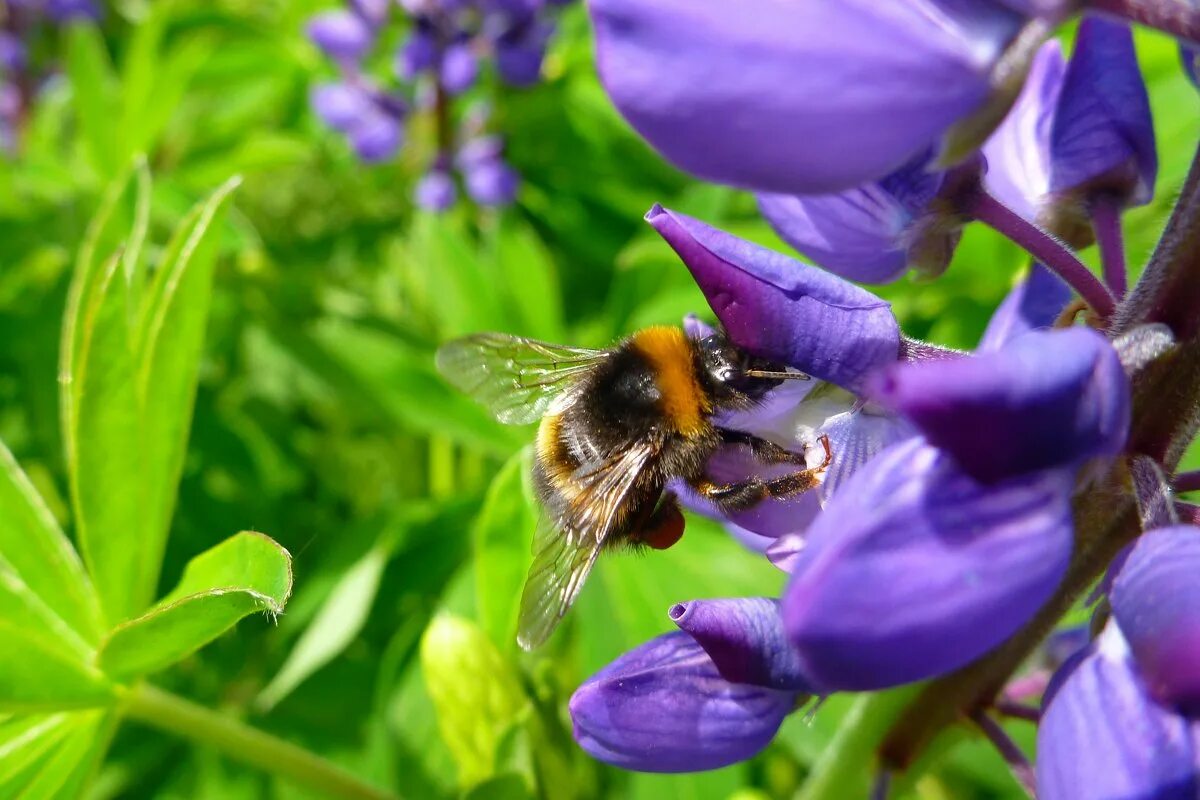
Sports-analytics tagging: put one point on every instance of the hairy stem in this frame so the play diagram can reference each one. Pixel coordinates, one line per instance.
(1187, 481)
(1022, 770)
(1180, 18)
(1043, 247)
(167, 712)
(1106, 222)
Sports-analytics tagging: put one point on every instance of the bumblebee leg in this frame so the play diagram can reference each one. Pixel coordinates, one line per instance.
(742, 495)
(765, 451)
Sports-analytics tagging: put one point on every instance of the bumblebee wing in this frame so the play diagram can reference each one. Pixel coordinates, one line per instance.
(565, 551)
(515, 378)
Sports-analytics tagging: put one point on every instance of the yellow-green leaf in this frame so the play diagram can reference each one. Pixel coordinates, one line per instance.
(245, 574)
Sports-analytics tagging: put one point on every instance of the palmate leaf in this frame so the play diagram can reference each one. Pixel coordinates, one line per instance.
(51, 755)
(130, 356)
(245, 574)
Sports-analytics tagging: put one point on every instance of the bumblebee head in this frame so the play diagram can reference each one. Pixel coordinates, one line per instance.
(734, 377)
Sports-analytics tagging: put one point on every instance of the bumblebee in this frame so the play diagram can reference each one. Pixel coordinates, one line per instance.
(615, 426)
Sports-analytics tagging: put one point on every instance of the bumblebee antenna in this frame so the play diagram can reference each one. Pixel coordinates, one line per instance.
(777, 376)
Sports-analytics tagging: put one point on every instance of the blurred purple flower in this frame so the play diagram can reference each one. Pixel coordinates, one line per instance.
(436, 191)
(459, 68)
(64, 11)
(376, 137)
(1191, 62)
(13, 54)
(799, 97)
(341, 106)
(342, 35)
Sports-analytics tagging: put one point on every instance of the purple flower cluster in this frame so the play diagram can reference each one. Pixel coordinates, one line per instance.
(949, 517)
(438, 61)
(19, 77)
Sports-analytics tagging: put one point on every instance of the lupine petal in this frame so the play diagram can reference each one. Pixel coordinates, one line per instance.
(744, 638)
(376, 138)
(1018, 152)
(1156, 602)
(418, 53)
(1102, 736)
(1191, 62)
(855, 437)
(1103, 131)
(785, 551)
(802, 97)
(663, 707)
(868, 233)
(915, 569)
(341, 106)
(1050, 398)
(491, 182)
(13, 53)
(435, 191)
(1035, 304)
(459, 69)
(341, 34)
(779, 308)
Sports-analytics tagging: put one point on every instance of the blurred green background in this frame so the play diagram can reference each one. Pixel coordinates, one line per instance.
(320, 419)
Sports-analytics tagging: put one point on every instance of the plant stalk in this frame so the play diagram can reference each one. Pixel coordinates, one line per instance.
(159, 709)
(1179, 18)
(1043, 247)
(1106, 222)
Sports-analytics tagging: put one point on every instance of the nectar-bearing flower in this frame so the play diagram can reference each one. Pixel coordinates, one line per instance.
(706, 696)
(1121, 717)
(800, 97)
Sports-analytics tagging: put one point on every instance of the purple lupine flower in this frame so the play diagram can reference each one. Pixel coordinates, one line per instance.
(1191, 62)
(341, 106)
(13, 54)
(418, 54)
(1120, 718)
(459, 68)
(709, 695)
(1103, 137)
(376, 137)
(972, 549)
(342, 35)
(436, 191)
(66, 11)
(799, 97)
(488, 179)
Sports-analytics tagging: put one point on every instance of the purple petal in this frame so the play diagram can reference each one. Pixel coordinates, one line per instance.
(856, 437)
(1035, 304)
(1102, 736)
(1103, 135)
(520, 64)
(341, 106)
(785, 552)
(13, 54)
(799, 97)
(1156, 602)
(435, 191)
(418, 54)
(479, 150)
(64, 11)
(373, 11)
(1050, 398)
(744, 638)
(376, 138)
(1191, 62)
(341, 35)
(1018, 152)
(664, 707)
(773, 517)
(697, 328)
(460, 68)
(915, 569)
(491, 183)
(872, 233)
(779, 308)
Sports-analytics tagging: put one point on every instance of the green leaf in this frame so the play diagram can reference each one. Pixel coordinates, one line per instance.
(526, 269)
(474, 691)
(60, 770)
(336, 625)
(171, 342)
(41, 673)
(502, 535)
(448, 273)
(94, 90)
(129, 359)
(501, 787)
(245, 574)
(38, 554)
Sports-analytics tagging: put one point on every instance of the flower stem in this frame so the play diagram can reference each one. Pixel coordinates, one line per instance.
(844, 767)
(1043, 247)
(1021, 768)
(162, 710)
(1187, 481)
(1106, 221)
(1179, 18)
